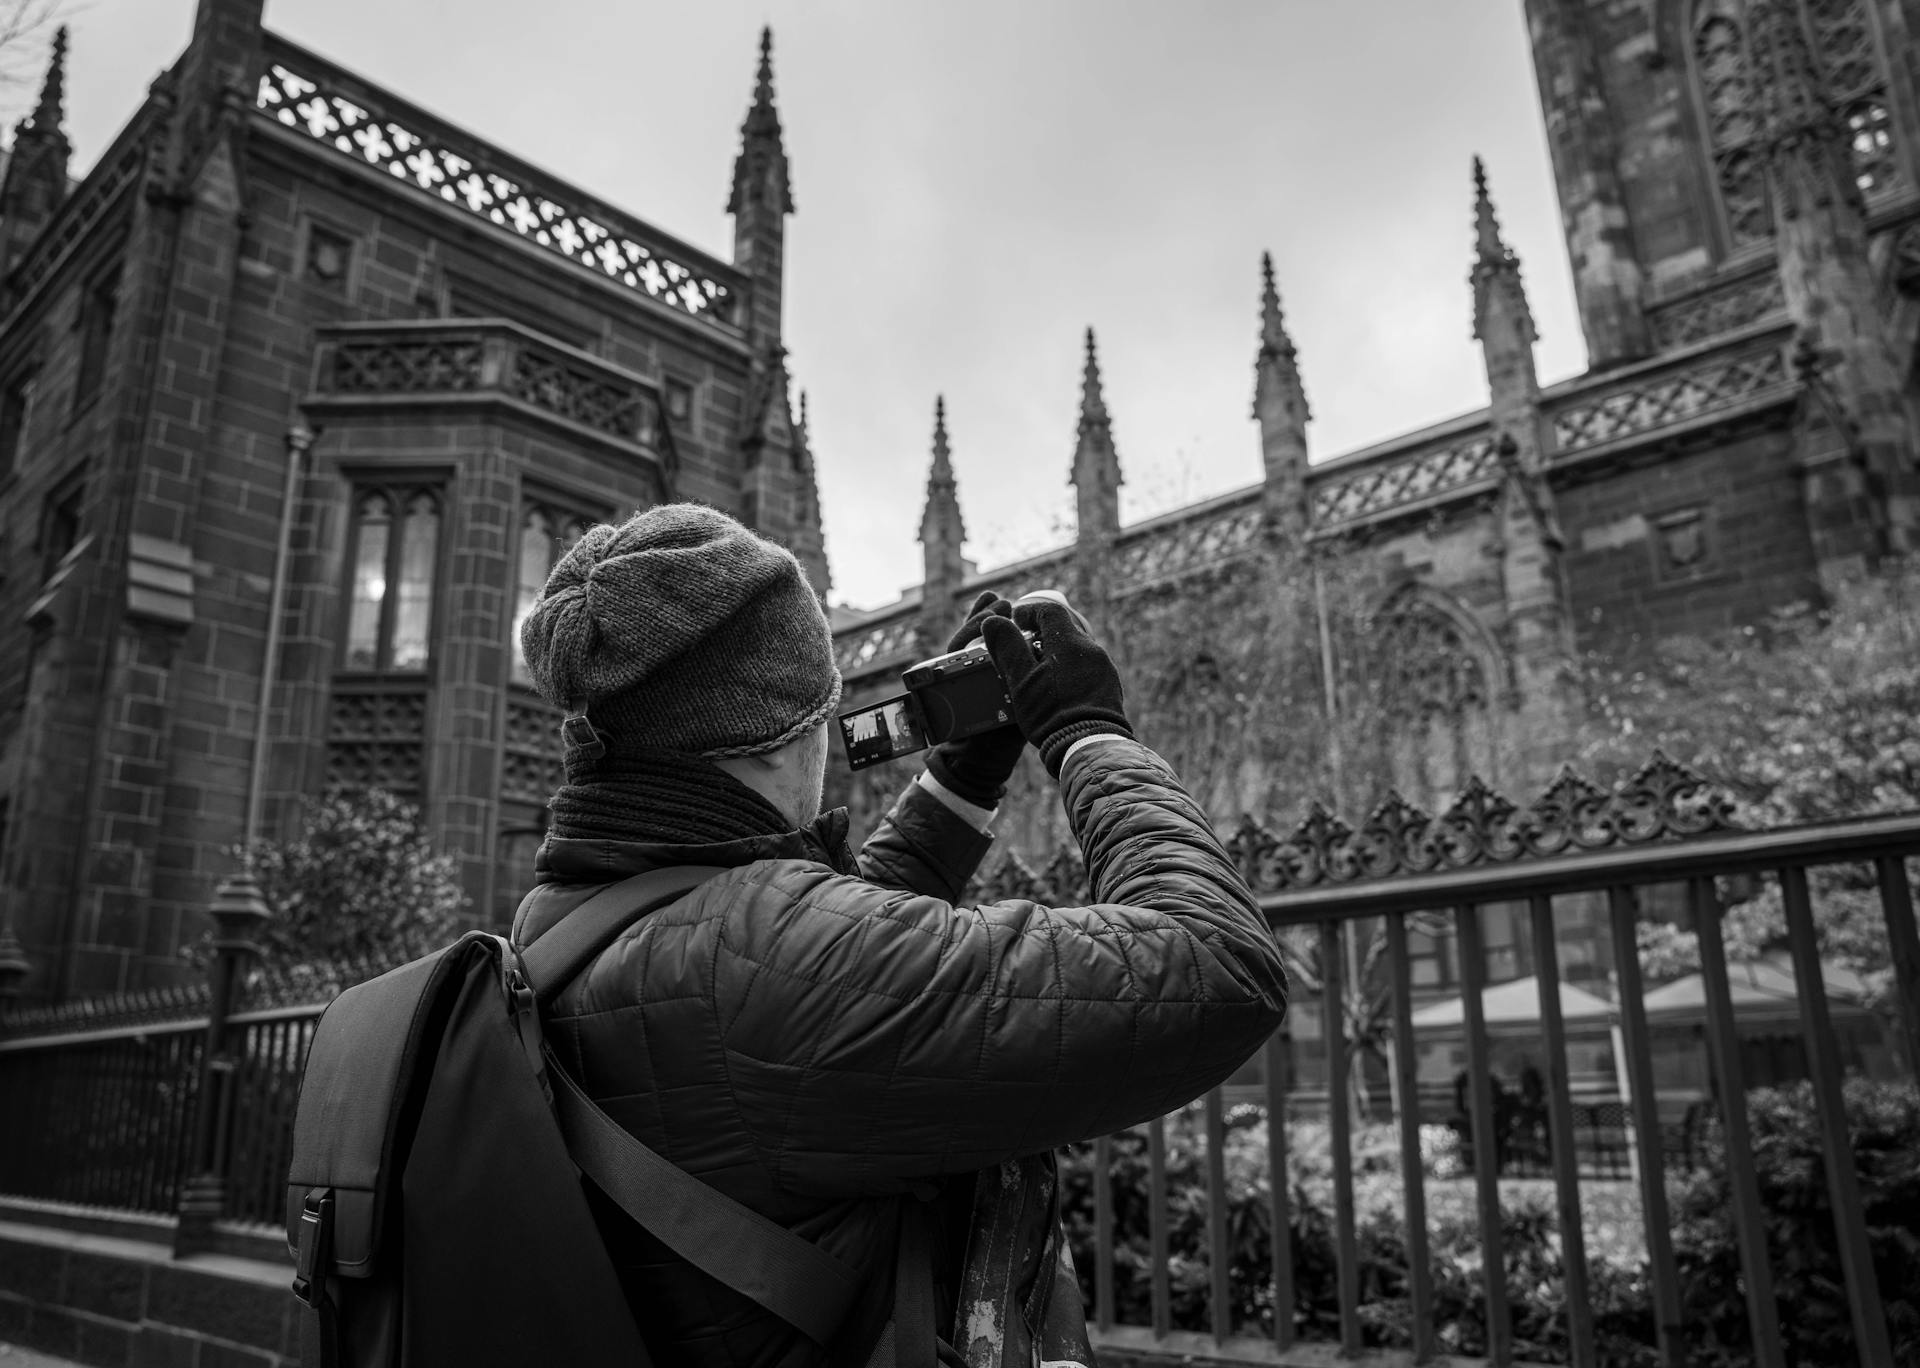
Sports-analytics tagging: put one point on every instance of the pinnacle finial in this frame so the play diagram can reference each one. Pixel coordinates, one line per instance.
(1273, 327)
(760, 171)
(762, 117)
(1093, 404)
(1486, 227)
(1496, 270)
(1276, 362)
(943, 499)
(803, 413)
(51, 110)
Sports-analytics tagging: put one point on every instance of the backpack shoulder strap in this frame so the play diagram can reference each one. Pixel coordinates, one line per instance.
(564, 950)
(790, 1276)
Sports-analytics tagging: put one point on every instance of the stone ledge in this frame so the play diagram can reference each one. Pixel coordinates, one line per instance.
(123, 1300)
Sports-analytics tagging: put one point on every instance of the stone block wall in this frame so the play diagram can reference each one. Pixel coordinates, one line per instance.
(126, 1303)
(1743, 500)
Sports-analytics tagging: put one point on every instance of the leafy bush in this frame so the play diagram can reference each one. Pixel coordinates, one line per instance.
(359, 883)
(1885, 1122)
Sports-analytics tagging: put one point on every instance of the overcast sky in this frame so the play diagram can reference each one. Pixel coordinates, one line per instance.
(977, 182)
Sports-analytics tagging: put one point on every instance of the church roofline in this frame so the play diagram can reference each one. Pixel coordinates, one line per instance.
(1435, 437)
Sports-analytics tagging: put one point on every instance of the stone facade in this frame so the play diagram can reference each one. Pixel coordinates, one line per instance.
(295, 341)
(1742, 213)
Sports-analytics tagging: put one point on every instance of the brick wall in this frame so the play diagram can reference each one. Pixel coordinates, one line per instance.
(137, 741)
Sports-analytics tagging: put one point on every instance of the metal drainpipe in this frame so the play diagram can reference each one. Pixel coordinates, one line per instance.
(299, 443)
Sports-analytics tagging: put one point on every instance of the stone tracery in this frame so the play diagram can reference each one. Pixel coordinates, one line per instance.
(1855, 82)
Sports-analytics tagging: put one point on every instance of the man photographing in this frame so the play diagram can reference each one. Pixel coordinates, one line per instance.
(833, 1039)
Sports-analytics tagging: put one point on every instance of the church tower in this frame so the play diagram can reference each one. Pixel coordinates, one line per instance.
(1280, 407)
(942, 534)
(1607, 276)
(1096, 483)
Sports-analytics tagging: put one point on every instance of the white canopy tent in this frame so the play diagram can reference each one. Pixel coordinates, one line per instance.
(1513, 1006)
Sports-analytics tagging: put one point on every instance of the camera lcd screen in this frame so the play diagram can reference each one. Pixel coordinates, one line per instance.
(882, 731)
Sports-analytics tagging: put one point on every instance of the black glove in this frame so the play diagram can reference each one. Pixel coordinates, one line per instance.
(1069, 691)
(977, 769)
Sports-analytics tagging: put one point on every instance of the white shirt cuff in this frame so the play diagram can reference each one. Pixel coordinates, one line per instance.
(975, 816)
(1085, 741)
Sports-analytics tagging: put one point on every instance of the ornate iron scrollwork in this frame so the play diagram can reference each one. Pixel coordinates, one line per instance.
(1663, 800)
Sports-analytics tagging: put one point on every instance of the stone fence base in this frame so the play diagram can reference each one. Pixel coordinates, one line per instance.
(113, 1295)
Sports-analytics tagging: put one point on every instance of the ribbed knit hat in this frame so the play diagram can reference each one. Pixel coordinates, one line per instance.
(681, 630)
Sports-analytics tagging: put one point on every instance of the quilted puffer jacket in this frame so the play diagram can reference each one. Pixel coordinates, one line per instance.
(811, 1033)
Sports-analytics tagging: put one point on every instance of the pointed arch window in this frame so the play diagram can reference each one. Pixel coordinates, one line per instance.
(548, 530)
(394, 575)
(1434, 698)
(1841, 36)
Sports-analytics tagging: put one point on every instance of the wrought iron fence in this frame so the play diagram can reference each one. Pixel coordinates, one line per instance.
(101, 1095)
(1208, 1279)
(101, 1117)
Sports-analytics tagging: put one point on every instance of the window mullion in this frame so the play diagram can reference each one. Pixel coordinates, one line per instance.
(389, 601)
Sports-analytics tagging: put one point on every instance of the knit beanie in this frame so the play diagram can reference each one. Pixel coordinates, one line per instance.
(681, 630)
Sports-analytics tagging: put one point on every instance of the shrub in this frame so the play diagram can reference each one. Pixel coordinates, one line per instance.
(1816, 1326)
(1885, 1124)
(359, 883)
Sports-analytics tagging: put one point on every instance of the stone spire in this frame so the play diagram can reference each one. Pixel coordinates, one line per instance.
(1096, 480)
(1499, 299)
(1280, 407)
(1607, 278)
(760, 200)
(760, 171)
(1096, 465)
(942, 534)
(51, 112)
(1863, 490)
(1539, 626)
(35, 183)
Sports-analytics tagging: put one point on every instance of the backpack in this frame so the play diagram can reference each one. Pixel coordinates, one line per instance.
(434, 1202)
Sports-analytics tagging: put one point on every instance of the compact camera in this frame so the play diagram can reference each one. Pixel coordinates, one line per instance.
(948, 698)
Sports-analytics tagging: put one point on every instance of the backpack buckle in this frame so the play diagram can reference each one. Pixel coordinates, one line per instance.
(525, 1007)
(316, 1241)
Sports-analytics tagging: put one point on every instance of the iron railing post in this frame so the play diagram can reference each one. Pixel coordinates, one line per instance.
(239, 913)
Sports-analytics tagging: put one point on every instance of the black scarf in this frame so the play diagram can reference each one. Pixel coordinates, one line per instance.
(659, 796)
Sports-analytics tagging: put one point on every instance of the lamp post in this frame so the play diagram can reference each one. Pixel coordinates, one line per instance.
(239, 914)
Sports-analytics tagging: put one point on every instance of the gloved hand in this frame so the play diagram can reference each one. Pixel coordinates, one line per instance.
(977, 769)
(1069, 691)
